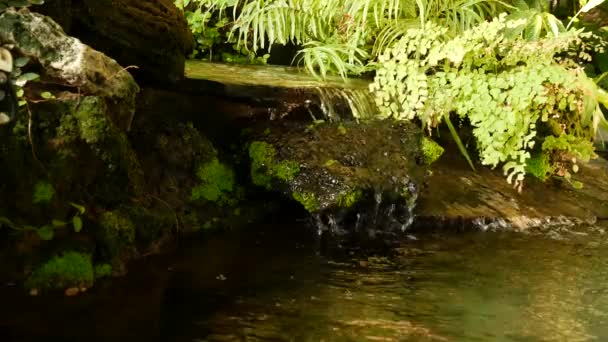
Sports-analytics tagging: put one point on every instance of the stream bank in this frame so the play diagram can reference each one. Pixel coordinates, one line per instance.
(116, 166)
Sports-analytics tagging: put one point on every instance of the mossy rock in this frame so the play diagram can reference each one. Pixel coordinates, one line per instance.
(335, 167)
(265, 167)
(70, 269)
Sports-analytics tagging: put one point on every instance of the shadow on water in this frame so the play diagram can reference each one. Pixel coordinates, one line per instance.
(273, 283)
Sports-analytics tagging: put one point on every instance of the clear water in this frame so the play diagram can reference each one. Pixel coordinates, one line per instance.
(273, 284)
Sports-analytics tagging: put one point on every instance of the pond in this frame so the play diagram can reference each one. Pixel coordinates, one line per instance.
(276, 282)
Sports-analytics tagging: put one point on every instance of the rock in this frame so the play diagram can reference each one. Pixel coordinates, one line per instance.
(151, 34)
(71, 291)
(69, 62)
(345, 174)
(456, 197)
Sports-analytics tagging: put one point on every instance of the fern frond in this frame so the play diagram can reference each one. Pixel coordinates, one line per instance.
(320, 58)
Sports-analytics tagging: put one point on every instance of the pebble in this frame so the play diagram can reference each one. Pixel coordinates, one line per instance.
(72, 291)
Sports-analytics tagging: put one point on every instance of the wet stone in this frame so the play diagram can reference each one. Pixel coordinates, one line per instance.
(344, 174)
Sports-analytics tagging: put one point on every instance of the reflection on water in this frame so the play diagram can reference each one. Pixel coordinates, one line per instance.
(275, 286)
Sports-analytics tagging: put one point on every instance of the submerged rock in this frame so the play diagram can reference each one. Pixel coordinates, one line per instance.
(344, 174)
(456, 197)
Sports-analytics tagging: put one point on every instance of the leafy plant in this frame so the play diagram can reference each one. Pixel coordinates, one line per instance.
(506, 88)
(334, 36)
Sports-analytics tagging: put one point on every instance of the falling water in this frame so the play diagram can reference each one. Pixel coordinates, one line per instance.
(357, 102)
(380, 215)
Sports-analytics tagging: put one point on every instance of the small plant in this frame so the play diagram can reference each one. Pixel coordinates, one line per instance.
(43, 194)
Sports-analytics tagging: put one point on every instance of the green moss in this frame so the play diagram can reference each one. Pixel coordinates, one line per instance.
(86, 121)
(430, 150)
(539, 167)
(72, 269)
(117, 232)
(308, 200)
(265, 167)
(346, 200)
(217, 183)
(102, 271)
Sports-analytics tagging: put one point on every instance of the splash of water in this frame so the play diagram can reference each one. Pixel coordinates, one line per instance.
(381, 215)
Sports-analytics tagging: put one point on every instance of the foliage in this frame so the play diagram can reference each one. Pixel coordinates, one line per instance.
(503, 87)
(334, 36)
(212, 34)
(117, 231)
(102, 270)
(43, 192)
(71, 269)
(217, 183)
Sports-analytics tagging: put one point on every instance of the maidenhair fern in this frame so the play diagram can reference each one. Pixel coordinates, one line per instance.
(504, 87)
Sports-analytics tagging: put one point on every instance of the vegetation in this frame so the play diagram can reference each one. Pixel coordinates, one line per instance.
(71, 269)
(512, 79)
(265, 167)
(217, 183)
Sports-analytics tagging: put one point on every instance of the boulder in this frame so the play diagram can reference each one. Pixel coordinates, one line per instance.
(152, 35)
(68, 62)
(347, 175)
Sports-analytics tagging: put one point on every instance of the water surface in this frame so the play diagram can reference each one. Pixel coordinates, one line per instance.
(277, 284)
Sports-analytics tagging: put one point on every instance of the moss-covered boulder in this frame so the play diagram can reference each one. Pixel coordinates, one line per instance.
(335, 169)
(65, 61)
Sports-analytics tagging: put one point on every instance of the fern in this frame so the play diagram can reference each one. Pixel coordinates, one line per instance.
(504, 87)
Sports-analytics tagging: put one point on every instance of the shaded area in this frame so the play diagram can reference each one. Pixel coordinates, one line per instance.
(272, 282)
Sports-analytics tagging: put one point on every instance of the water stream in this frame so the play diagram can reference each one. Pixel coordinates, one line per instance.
(273, 283)
(332, 95)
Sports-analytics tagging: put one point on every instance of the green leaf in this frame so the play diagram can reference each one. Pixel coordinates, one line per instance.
(77, 223)
(46, 95)
(81, 209)
(21, 61)
(43, 192)
(27, 77)
(46, 232)
(459, 143)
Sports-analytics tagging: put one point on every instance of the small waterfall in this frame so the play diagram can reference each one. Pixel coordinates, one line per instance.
(357, 102)
(380, 215)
